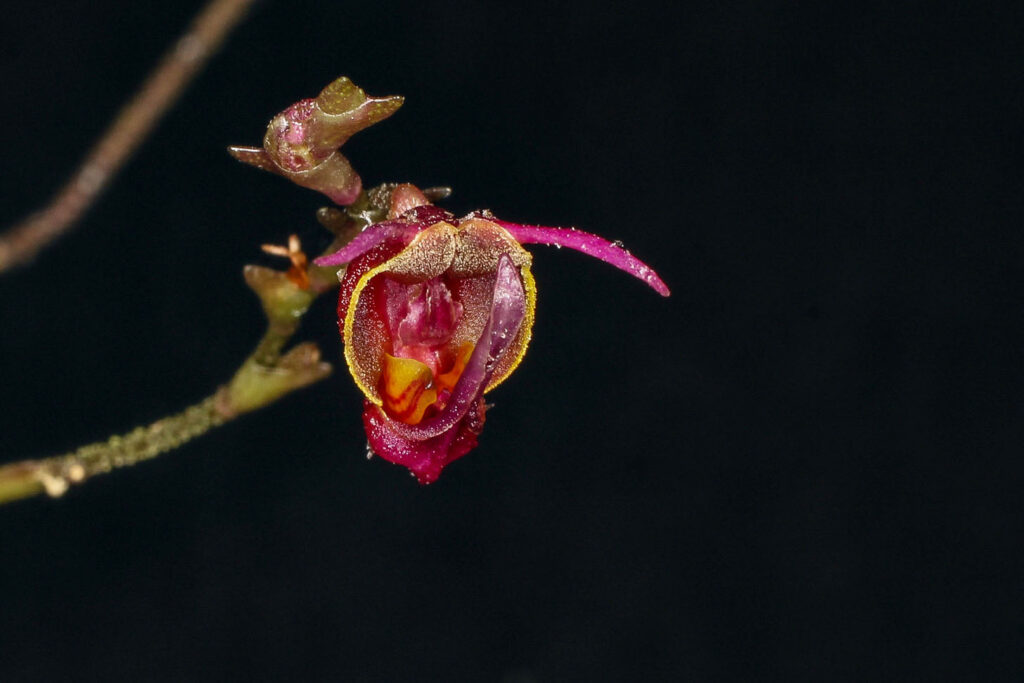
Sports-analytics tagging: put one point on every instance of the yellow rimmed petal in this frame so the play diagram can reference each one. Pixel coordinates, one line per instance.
(428, 255)
(481, 243)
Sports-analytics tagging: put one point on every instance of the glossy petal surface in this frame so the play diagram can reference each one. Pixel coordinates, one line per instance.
(365, 241)
(426, 458)
(591, 245)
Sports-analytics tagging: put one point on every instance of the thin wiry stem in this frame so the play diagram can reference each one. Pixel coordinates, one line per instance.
(133, 124)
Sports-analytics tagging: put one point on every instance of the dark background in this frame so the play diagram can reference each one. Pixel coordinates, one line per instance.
(804, 465)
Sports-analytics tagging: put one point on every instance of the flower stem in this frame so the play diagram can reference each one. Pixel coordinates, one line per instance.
(257, 383)
(54, 475)
(264, 377)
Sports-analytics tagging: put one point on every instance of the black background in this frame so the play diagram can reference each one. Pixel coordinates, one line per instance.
(805, 464)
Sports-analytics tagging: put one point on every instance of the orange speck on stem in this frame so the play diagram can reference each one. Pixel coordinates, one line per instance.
(293, 252)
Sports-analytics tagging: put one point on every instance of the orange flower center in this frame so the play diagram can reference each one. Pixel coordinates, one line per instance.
(408, 387)
(422, 368)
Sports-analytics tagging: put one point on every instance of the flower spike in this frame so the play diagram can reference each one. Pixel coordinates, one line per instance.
(302, 142)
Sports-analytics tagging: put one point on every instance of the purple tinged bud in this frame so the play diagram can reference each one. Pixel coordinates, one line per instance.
(302, 142)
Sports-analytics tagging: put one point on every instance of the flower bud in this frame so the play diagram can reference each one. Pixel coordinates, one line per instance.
(302, 141)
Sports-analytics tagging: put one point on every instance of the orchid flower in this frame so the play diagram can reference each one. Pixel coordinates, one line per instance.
(434, 311)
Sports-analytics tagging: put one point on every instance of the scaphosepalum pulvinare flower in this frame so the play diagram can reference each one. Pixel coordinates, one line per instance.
(434, 310)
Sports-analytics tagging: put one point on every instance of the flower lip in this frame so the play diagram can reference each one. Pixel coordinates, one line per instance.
(425, 459)
(508, 309)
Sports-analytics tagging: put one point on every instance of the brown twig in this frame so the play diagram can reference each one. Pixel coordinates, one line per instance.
(134, 122)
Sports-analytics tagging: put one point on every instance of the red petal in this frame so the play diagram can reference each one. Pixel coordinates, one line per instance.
(414, 220)
(424, 458)
(360, 265)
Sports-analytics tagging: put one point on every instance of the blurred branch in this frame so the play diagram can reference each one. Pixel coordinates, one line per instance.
(20, 243)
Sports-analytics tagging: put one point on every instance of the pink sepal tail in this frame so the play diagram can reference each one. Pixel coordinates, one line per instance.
(367, 240)
(589, 244)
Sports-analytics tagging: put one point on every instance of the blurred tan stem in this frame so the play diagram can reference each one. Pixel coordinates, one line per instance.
(133, 124)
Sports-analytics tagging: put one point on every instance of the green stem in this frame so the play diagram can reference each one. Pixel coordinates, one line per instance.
(255, 385)
(264, 377)
(54, 475)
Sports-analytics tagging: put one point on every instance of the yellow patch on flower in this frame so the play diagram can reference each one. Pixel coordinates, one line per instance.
(447, 380)
(406, 388)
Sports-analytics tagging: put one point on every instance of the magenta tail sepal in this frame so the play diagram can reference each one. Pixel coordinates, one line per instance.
(591, 245)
